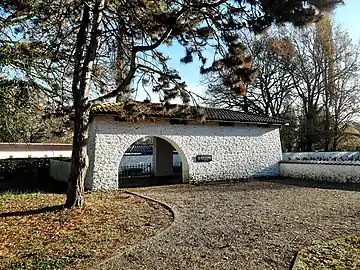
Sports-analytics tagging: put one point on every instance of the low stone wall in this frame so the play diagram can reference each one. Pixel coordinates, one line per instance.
(341, 172)
(60, 169)
(331, 156)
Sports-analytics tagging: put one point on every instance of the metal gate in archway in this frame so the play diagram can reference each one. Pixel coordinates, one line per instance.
(138, 174)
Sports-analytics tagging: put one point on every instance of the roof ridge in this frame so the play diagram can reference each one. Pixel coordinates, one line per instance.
(211, 113)
(204, 107)
(216, 108)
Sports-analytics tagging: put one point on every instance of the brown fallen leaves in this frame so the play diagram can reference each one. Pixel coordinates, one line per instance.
(36, 232)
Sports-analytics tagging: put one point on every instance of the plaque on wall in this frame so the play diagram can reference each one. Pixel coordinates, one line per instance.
(204, 158)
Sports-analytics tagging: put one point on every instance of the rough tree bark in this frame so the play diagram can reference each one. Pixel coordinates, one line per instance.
(79, 159)
(310, 129)
(121, 59)
(87, 46)
(327, 131)
(309, 140)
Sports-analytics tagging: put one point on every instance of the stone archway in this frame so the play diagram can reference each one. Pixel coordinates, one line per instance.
(152, 160)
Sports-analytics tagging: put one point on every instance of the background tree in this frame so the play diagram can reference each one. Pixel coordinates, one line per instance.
(34, 72)
(289, 133)
(308, 76)
(316, 70)
(271, 92)
(350, 139)
(345, 106)
(23, 115)
(324, 36)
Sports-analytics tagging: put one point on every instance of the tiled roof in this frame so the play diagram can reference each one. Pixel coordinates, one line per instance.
(145, 149)
(142, 149)
(157, 110)
(229, 115)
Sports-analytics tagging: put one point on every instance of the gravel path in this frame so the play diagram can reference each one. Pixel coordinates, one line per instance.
(250, 225)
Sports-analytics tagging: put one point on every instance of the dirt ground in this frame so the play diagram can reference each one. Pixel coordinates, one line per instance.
(250, 225)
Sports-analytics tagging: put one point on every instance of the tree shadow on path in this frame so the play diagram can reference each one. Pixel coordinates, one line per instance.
(316, 184)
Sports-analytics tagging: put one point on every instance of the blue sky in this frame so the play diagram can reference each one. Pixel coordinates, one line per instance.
(347, 15)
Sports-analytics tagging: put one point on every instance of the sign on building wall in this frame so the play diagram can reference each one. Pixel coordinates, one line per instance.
(204, 158)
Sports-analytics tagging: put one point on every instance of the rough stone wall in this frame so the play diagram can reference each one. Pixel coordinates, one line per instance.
(341, 173)
(320, 155)
(238, 152)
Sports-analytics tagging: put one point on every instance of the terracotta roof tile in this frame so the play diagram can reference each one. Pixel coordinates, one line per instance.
(156, 110)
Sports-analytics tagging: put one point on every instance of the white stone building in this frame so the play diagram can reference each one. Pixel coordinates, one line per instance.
(228, 145)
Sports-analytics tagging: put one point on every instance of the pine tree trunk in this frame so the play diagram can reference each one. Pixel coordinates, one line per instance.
(121, 59)
(79, 160)
(85, 55)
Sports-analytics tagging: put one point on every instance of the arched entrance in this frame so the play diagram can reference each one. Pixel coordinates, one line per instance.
(151, 161)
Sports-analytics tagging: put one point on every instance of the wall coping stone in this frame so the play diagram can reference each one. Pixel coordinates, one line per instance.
(323, 162)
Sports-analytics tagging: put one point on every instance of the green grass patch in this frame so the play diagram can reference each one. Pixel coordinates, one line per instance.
(15, 194)
(54, 263)
(340, 254)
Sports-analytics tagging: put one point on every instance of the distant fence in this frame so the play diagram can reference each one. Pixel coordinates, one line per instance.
(35, 147)
(135, 175)
(142, 170)
(135, 170)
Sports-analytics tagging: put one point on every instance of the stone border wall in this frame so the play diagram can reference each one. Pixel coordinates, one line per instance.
(340, 172)
(60, 169)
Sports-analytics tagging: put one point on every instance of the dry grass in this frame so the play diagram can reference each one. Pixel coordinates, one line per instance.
(37, 233)
(340, 254)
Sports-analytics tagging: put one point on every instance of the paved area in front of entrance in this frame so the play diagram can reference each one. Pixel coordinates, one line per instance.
(250, 225)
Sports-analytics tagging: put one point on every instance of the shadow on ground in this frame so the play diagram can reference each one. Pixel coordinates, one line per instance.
(316, 184)
(47, 209)
(149, 181)
(279, 184)
(26, 185)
